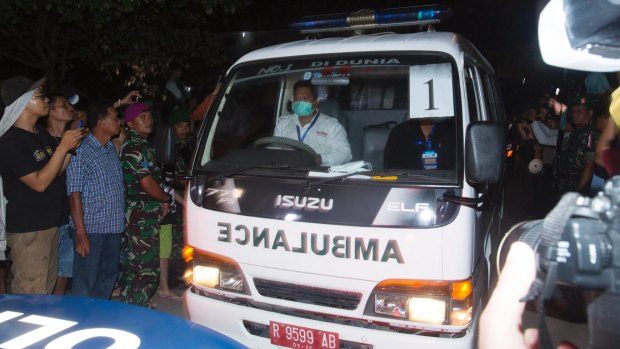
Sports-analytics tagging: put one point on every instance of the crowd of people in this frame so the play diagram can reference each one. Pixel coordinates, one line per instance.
(560, 145)
(86, 209)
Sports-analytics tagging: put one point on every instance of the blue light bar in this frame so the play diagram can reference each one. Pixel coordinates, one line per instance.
(417, 15)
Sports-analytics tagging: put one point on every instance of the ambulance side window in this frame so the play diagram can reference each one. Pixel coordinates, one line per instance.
(473, 103)
(498, 102)
(490, 99)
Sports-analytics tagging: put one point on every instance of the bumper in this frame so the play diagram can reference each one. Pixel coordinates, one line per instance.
(229, 319)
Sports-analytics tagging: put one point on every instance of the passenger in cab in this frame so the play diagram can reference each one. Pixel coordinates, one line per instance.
(308, 125)
(421, 144)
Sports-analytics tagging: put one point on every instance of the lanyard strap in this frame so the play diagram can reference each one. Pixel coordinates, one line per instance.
(299, 136)
(429, 142)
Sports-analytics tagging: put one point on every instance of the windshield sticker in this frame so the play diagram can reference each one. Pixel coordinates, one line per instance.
(367, 61)
(340, 66)
(430, 91)
(307, 75)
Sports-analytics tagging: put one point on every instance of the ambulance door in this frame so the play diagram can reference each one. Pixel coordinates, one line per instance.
(478, 108)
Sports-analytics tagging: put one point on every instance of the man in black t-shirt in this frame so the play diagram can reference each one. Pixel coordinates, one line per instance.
(421, 144)
(29, 168)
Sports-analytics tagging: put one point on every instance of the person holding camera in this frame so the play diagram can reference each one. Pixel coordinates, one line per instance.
(30, 169)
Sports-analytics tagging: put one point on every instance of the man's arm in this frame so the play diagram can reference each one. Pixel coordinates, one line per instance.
(77, 174)
(151, 187)
(589, 153)
(607, 137)
(280, 131)
(586, 178)
(341, 150)
(65, 163)
(41, 179)
(81, 244)
(544, 134)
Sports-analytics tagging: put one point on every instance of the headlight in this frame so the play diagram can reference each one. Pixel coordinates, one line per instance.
(214, 271)
(430, 302)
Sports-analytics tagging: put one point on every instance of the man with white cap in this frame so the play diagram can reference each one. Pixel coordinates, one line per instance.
(29, 168)
(61, 114)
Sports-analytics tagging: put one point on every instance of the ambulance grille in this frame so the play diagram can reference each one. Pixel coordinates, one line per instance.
(307, 294)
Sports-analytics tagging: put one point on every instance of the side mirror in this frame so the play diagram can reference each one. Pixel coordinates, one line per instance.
(485, 148)
(165, 147)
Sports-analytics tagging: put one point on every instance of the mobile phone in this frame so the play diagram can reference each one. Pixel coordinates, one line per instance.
(135, 98)
(80, 124)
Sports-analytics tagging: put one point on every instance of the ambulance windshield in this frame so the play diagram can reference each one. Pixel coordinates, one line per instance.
(395, 112)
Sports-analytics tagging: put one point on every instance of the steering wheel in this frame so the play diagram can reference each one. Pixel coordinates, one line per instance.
(287, 142)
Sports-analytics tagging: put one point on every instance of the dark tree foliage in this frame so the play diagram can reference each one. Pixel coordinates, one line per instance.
(127, 41)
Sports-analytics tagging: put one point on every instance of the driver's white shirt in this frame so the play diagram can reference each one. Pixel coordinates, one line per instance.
(327, 137)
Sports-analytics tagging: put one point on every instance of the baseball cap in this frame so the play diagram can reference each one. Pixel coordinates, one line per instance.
(135, 109)
(179, 115)
(15, 87)
(74, 99)
(70, 94)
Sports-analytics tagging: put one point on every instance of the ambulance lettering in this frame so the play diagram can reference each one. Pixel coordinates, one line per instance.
(311, 243)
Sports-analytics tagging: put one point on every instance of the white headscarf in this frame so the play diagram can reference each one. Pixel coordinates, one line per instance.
(14, 110)
(11, 113)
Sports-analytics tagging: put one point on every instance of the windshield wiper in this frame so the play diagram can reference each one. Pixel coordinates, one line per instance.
(220, 177)
(404, 175)
(311, 184)
(426, 176)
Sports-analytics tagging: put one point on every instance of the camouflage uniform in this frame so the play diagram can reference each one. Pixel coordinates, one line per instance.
(177, 264)
(573, 157)
(143, 215)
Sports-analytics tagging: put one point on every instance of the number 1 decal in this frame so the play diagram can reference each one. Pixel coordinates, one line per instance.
(431, 92)
(431, 102)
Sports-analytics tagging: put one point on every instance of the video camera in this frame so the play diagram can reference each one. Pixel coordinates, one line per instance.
(577, 245)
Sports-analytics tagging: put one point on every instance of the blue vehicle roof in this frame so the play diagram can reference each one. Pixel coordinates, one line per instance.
(79, 323)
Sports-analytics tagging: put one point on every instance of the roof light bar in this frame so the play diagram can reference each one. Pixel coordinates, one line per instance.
(364, 19)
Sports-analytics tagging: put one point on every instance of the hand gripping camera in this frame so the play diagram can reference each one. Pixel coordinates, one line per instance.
(578, 245)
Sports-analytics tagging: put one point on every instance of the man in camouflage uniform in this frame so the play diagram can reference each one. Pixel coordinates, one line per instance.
(145, 206)
(576, 159)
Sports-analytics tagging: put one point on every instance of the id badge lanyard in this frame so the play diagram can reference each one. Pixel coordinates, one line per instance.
(299, 136)
(429, 159)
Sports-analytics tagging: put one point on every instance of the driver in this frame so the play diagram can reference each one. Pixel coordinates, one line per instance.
(308, 125)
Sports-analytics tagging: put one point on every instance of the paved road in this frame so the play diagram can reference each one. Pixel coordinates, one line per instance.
(515, 211)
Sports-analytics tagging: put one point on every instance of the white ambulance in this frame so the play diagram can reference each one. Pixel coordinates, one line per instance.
(375, 253)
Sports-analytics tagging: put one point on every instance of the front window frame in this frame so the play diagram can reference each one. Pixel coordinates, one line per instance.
(207, 133)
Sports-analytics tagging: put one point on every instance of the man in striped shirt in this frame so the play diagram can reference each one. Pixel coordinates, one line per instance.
(96, 197)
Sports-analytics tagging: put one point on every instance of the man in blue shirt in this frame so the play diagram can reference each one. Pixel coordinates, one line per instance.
(96, 197)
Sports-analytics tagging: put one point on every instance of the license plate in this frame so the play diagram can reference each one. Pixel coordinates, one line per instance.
(298, 337)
